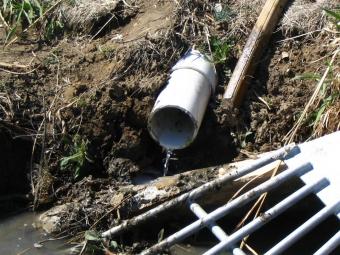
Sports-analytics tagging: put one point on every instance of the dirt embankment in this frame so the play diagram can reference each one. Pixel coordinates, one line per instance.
(84, 100)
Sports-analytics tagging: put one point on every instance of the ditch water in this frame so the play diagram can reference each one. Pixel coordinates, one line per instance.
(18, 236)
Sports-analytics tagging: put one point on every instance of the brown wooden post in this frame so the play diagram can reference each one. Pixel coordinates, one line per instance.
(253, 50)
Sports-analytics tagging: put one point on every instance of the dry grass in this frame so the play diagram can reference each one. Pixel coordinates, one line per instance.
(83, 15)
(6, 107)
(304, 16)
(245, 14)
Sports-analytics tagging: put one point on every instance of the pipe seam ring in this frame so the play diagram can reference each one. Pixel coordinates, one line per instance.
(212, 86)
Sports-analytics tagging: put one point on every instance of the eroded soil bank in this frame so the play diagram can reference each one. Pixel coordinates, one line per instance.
(73, 122)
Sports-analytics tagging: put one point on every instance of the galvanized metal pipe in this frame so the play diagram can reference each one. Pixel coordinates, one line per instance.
(195, 193)
(269, 215)
(214, 228)
(223, 210)
(330, 245)
(304, 228)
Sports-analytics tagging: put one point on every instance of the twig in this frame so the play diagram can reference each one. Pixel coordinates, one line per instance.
(101, 29)
(24, 251)
(331, 31)
(128, 5)
(244, 186)
(51, 239)
(17, 66)
(41, 242)
(4, 21)
(259, 201)
(18, 73)
(207, 35)
(298, 36)
(250, 249)
(34, 190)
(262, 100)
(248, 213)
(110, 211)
(83, 249)
(7, 65)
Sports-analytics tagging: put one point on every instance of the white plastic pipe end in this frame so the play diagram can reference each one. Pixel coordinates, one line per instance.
(172, 127)
(179, 109)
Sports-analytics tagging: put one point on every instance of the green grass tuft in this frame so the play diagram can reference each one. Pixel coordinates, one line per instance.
(78, 157)
(220, 50)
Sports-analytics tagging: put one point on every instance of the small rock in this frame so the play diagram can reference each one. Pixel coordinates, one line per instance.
(150, 193)
(117, 199)
(37, 245)
(284, 55)
(117, 37)
(50, 221)
(218, 7)
(221, 171)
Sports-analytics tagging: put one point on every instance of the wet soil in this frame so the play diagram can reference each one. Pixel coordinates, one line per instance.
(276, 82)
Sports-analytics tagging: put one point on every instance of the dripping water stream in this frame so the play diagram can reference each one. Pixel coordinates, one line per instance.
(166, 163)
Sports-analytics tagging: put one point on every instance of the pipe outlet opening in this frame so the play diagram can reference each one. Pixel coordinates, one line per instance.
(172, 127)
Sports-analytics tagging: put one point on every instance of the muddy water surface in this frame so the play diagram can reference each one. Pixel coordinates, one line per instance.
(18, 236)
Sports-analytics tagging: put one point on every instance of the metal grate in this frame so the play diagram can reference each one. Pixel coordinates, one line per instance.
(313, 162)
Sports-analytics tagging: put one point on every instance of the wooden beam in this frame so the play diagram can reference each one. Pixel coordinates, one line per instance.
(253, 50)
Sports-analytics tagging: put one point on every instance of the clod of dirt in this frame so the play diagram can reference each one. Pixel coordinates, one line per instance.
(121, 169)
(117, 200)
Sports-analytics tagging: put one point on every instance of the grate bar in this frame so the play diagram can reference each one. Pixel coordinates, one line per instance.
(223, 210)
(269, 215)
(271, 157)
(304, 228)
(331, 245)
(214, 228)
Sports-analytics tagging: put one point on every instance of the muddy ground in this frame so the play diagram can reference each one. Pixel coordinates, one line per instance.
(90, 90)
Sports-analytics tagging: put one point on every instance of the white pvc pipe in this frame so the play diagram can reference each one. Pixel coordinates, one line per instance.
(179, 109)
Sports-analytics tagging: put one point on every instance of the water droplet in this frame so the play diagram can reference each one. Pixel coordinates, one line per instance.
(166, 163)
